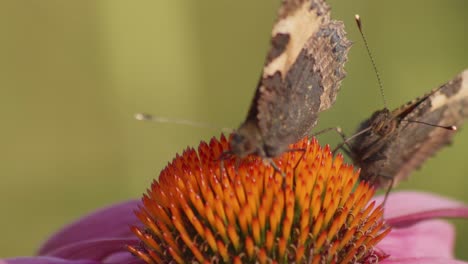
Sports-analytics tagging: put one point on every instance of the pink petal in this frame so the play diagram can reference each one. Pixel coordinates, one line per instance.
(110, 222)
(423, 261)
(123, 257)
(405, 208)
(428, 239)
(100, 250)
(46, 260)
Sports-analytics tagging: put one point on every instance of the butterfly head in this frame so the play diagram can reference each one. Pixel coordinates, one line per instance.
(383, 123)
(246, 140)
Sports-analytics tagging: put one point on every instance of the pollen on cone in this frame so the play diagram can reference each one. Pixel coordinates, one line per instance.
(203, 209)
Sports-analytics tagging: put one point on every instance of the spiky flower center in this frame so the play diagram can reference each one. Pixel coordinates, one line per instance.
(203, 209)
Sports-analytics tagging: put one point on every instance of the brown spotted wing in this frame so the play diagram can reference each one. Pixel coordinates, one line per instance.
(301, 77)
(396, 143)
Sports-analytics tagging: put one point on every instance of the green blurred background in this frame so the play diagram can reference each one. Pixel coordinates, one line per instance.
(73, 73)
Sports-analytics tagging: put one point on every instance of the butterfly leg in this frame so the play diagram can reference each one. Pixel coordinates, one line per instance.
(337, 129)
(344, 143)
(226, 155)
(389, 188)
(303, 150)
(340, 132)
(275, 167)
(341, 147)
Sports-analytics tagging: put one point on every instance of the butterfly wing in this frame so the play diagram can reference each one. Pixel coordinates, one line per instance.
(447, 106)
(302, 75)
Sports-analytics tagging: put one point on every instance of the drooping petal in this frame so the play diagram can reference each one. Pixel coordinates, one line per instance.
(423, 260)
(123, 258)
(110, 222)
(406, 208)
(46, 260)
(428, 239)
(98, 249)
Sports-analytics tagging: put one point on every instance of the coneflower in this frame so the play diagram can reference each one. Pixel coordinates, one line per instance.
(202, 209)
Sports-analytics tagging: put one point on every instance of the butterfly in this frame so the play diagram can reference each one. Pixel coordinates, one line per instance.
(301, 77)
(391, 144)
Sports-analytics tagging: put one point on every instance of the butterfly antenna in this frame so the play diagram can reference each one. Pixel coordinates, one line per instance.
(359, 25)
(453, 128)
(160, 119)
